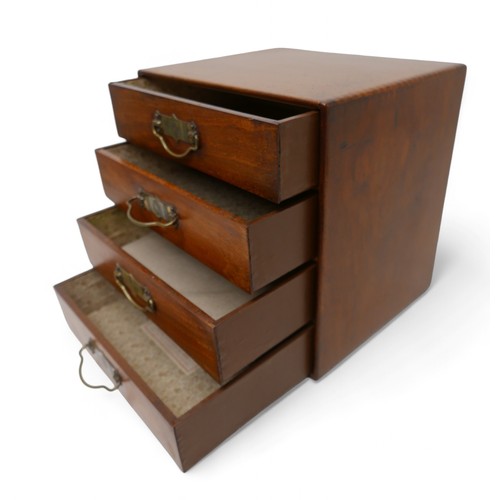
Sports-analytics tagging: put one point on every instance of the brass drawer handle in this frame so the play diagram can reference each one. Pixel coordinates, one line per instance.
(163, 211)
(105, 364)
(130, 287)
(171, 126)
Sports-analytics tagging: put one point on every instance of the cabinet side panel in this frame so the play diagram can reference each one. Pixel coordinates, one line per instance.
(385, 169)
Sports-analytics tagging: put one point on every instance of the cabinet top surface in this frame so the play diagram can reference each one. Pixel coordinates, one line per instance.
(300, 76)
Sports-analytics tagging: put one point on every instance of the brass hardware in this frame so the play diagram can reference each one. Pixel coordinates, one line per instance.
(160, 209)
(104, 363)
(171, 126)
(131, 287)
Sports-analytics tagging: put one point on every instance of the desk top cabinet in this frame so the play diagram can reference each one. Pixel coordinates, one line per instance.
(345, 161)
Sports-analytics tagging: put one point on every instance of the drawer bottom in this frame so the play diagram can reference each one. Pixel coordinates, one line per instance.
(183, 406)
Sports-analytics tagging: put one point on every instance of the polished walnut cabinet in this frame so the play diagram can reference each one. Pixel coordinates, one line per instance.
(272, 211)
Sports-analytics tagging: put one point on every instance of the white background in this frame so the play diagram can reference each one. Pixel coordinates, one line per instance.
(412, 415)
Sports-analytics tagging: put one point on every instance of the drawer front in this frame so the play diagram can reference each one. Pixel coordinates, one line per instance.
(246, 239)
(275, 158)
(220, 326)
(189, 422)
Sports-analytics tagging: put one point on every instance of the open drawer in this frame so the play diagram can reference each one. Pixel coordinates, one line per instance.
(220, 326)
(250, 241)
(264, 147)
(187, 410)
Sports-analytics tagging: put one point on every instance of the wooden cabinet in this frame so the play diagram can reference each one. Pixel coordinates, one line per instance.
(273, 210)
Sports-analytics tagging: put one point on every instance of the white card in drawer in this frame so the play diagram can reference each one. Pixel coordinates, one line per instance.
(206, 289)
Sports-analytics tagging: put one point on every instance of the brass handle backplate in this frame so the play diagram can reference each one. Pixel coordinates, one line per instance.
(178, 130)
(133, 290)
(163, 211)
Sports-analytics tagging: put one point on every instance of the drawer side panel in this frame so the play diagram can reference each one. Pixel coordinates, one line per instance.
(262, 324)
(200, 431)
(299, 151)
(283, 242)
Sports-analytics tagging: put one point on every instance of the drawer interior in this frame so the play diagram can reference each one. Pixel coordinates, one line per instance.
(177, 380)
(246, 239)
(239, 203)
(266, 147)
(187, 411)
(237, 102)
(202, 286)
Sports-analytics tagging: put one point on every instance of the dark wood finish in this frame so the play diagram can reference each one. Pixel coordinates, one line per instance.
(387, 132)
(223, 347)
(249, 241)
(191, 436)
(279, 241)
(383, 186)
(258, 154)
(302, 77)
(384, 132)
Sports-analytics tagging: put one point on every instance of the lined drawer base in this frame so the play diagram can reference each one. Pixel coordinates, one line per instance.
(220, 326)
(186, 409)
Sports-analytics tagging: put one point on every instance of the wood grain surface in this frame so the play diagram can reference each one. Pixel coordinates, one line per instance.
(246, 333)
(383, 185)
(245, 150)
(386, 137)
(190, 437)
(246, 239)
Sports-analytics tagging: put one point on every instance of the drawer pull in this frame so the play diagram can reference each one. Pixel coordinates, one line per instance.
(163, 211)
(131, 287)
(171, 126)
(104, 363)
